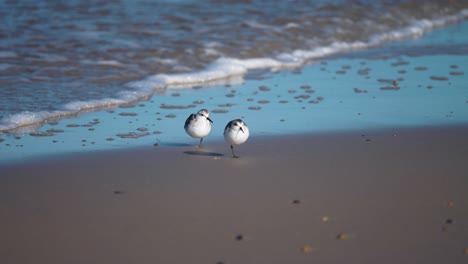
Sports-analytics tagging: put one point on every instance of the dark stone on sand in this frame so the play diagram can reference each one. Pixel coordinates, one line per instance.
(420, 68)
(449, 221)
(142, 129)
(219, 111)
(263, 102)
(127, 106)
(400, 63)
(385, 80)
(52, 122)
(55, 130)
(292, 91)
(1, 140)
(305, 87)
(225, 105)
(119, 192)
(302, 96)
(346, 67)
(296, 201)
(363, 71)
(283, 102)
(250, 99)
(264, 88)
(175, 94)
(314, 102)
(340, 72)
(157, 132)
(453, 66)
(128, 114)
(320, 98)
(109, 139)
(439, 78)
(401, 71)
(170, 116)
(239, 237)
(164, 106)
(72, 125)
(133, 135)
(457, 73)
(357, 90)
(389, 88)
(254, 108)
(41, 134)
(310, 91)
(230, 95)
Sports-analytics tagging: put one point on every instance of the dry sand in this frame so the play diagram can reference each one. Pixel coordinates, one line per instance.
(395, 196)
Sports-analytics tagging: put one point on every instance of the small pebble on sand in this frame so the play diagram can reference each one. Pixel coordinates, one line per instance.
(264, 88)
(255, 108)
(439, 78)
(128, 114)
(449, 221)
(306, 249)
(342, 236)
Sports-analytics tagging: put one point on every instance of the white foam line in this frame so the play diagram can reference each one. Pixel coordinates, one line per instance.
(222, 70)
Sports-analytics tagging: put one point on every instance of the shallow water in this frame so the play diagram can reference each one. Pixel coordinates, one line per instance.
(59, 59)
(410, 83)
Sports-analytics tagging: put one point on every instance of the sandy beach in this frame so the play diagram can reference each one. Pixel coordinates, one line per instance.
(389, 196)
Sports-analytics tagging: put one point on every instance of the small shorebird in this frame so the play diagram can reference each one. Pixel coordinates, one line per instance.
(236, 132)
(198, 125)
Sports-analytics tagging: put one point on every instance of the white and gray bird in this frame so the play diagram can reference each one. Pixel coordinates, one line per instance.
(236, 132)
(198, 125)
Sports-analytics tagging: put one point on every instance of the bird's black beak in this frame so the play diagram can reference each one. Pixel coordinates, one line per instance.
(241, 129)
(209, 119)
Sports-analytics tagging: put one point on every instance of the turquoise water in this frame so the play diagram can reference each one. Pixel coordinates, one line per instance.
(432, 90)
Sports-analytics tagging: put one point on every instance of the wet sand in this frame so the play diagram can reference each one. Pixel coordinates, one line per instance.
(391, 196)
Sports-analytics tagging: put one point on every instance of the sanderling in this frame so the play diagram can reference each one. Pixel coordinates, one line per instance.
(236, 132)
(198, 125)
